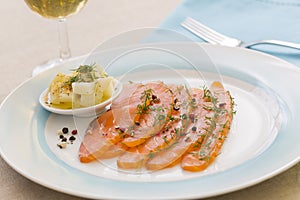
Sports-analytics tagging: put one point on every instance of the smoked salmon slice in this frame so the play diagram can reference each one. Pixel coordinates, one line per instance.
(219, 125)
(207, 133)
(104, 132)
(100, 135)
(108, 130)
(123, 107)
(186, 139)
(113, 151)
(153, 103)
(165, 137)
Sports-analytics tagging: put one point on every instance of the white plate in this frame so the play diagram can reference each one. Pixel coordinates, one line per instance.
(84, 112)
(268, 110)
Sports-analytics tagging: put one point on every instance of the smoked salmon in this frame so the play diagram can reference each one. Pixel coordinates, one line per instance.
(165, 137)
(104, 132)
(188, 138)
(219, 125)
(124, 110)
(99, 136)
(153, 104)
(155, 125)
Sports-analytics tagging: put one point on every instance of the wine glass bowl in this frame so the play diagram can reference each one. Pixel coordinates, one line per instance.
(58, 10)
(55, 9)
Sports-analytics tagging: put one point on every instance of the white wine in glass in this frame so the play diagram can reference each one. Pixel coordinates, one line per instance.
(59, 10)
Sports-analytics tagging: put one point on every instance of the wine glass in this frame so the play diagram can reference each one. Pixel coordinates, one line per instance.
(59, 10)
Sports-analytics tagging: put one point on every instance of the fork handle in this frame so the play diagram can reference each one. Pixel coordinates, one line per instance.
(273, 42)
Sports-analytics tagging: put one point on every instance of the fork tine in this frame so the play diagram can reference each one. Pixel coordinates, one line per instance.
(206, 30)
(200, 30)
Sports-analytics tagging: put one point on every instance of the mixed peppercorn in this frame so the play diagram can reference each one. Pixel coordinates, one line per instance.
(65, 138)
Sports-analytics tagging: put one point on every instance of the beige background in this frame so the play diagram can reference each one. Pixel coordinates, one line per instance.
(27, 40)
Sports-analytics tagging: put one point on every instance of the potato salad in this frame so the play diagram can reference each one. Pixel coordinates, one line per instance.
(88, 85)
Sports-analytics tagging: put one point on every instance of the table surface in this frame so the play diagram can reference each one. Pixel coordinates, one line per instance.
(27, 40)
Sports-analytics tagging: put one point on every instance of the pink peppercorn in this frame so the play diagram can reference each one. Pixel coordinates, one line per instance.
(74, 132)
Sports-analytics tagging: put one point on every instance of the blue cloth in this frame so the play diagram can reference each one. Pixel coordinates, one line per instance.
(248, 20)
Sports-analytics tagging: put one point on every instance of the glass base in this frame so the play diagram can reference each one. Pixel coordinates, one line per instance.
(48, 65)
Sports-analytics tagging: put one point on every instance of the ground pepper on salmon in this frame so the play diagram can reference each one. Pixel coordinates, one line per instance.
(220, 106)
(162, 125)
(153, 116)
(165, 137)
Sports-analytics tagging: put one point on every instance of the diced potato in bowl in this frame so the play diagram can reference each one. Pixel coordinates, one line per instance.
(88, 85)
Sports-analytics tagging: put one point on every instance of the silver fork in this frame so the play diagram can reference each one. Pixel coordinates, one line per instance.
(214, 37)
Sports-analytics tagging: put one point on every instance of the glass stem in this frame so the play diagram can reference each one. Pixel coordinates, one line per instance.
(64, 49)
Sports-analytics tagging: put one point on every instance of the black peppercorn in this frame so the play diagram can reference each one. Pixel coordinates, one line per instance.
(65, 130)
(72, 138)
(194, 128)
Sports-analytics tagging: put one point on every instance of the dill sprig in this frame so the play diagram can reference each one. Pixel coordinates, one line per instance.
(85, 73)
(146, 99)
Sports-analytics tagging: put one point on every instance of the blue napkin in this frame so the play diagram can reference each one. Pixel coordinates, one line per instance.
(247, 20)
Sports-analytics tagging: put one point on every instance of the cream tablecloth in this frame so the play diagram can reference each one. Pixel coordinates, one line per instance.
(26, 40)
